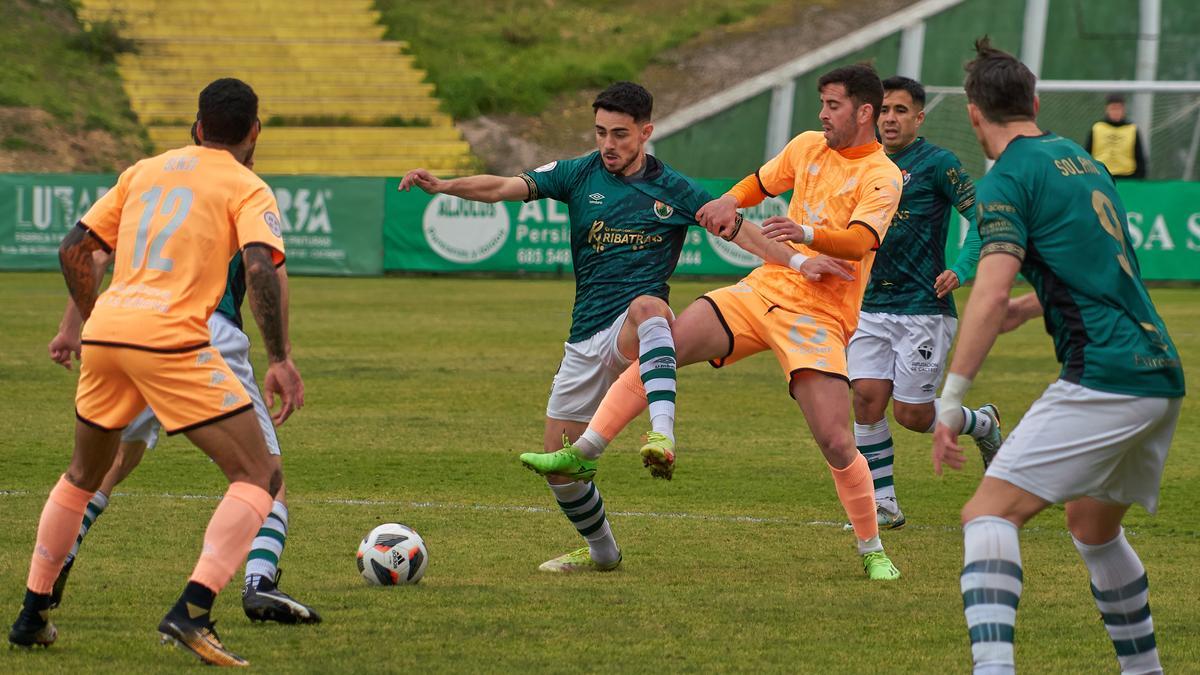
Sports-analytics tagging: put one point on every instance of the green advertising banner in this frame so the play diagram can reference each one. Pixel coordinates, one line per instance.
(448, 234)
(364, 226)
(330, 225)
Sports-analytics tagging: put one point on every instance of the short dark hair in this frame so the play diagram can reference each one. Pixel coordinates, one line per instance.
(861, 82)
(999, 84)
(1115, 98)
(626, 97)
(228, 110)
(900, 83)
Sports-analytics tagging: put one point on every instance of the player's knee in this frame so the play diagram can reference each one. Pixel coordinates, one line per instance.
(916, 418)
(646, 307)
(275, 482)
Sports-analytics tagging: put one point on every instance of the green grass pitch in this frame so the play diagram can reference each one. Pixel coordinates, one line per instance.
(420, 395)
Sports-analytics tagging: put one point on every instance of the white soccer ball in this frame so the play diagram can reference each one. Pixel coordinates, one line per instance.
(391, 555)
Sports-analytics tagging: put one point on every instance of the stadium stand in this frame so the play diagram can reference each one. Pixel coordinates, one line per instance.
(337, 99)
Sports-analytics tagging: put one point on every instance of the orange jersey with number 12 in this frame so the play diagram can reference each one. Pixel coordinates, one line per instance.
(175, 221)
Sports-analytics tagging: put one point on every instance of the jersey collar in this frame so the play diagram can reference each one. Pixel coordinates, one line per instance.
(860, 151)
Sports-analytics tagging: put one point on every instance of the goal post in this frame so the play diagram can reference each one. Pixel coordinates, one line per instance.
(1170, 137)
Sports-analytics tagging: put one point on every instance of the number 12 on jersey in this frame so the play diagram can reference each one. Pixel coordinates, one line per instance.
(177, 204)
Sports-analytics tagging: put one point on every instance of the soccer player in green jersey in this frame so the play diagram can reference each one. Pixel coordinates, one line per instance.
(1098, 437)
(629, 215)
(908, 316)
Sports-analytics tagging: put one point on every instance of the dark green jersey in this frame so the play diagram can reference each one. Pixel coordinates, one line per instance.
(913, 252)
(1048, 203)
(626, 232)
(235, 291)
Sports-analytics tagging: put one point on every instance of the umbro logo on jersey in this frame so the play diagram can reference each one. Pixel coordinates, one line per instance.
(596, 198)
(203, 358)
(231, 399)
(217, 378)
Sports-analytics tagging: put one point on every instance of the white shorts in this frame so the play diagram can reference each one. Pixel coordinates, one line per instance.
(234, 346)
(1078, 442)
(587, 370)
(907, 349)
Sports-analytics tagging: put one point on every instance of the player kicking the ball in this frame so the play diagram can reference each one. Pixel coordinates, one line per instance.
(908, 316)
(845, 193)
(1098, 437)
(629, 216)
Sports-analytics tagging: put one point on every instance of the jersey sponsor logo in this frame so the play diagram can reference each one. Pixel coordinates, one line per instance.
(546, 167)
(596, 198)
(273, 223)
(732, 253)
(663, 211)
(463, 231)
(601, 236)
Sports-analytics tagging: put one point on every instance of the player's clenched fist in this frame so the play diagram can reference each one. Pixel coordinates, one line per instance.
(422, 179)
(718, 216)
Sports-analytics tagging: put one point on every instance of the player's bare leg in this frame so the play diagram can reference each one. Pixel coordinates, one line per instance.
(58, 528)
(236, 445)
(129, 455)
(823, 400)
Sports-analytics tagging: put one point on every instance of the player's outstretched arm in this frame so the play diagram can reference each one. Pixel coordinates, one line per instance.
(981, 323)
(853, 243)
(750, 238)
(76, 259)
(267, 305)
(481, 188)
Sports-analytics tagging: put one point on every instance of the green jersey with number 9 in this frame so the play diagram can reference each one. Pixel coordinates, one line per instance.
(1047, 202)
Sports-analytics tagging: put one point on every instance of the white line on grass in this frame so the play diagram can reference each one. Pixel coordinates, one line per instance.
(497, 508)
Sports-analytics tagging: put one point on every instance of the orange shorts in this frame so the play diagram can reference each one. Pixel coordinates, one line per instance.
(813, 341)
(186, 389)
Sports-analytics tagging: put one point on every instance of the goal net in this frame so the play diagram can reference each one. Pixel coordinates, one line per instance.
(1069, 108)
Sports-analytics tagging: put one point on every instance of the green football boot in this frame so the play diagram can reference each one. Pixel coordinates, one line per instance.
(579, 560)
(879, 567)
(568, 462)
(658, 455)
(989, 445)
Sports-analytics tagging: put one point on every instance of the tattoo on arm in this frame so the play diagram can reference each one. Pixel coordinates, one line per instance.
(266, 299)
(75, 260)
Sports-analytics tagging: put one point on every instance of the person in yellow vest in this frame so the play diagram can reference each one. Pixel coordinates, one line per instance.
(1115, 141)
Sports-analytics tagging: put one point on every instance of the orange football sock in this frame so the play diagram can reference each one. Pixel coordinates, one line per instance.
(61, 517)
(230, 532)
(625, 400)
(857, 494)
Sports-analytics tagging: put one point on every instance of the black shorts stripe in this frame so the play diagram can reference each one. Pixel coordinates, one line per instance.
(213, 420)
(143, 348)
(717, 363)
(93, 425)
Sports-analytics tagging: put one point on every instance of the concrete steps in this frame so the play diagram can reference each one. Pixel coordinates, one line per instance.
(312, 62)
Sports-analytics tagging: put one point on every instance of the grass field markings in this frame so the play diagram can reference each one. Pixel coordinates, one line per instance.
(509, 508)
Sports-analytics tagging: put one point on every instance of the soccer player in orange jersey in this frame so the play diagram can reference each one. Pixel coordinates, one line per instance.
(174, 222)
(845, 193)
